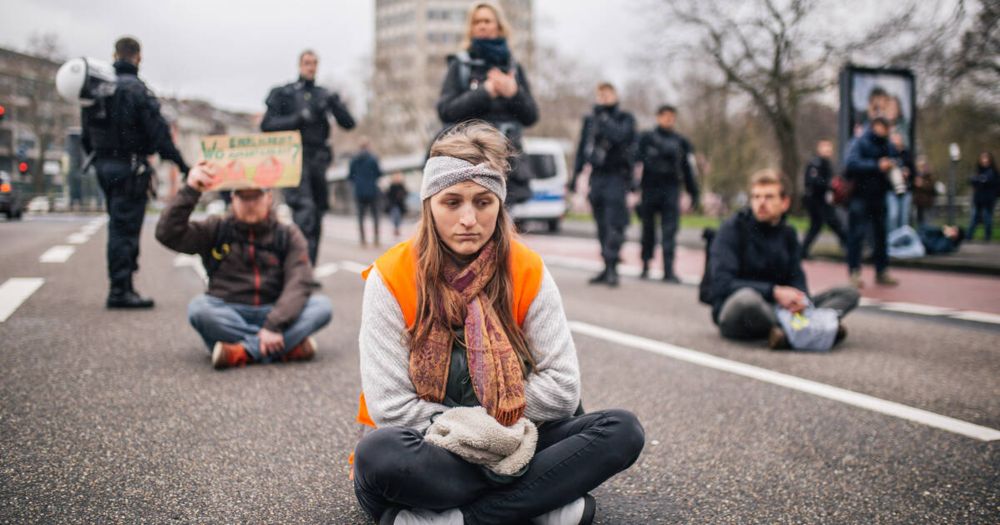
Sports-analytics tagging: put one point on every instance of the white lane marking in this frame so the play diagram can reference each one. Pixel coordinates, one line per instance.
(78, 238)
(325, 270)
(352, 266)
(918, 309)
(979, 317)
(57, 254)
(16, 290)
(192, 261)
(874, 404)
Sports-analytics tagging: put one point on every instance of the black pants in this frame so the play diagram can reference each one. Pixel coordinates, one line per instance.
(821, 213)
(369, 206)
(747, 315)
(865, 214)
(126, 195)
(310, 200)
(607, 202)
(395, 467)
(666, 204)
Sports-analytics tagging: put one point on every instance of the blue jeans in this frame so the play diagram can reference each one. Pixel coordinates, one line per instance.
(216, 320)
(981, 214)
(897, 210)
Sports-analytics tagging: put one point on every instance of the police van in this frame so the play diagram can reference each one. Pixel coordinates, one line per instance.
(546, 162)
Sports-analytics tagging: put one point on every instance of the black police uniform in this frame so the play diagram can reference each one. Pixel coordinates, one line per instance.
(818, 175)
(664, 156)
(463, 97)
(606, 144)
(303, 106)
(121, 131)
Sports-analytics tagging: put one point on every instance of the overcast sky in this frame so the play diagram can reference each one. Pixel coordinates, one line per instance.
(231, 53)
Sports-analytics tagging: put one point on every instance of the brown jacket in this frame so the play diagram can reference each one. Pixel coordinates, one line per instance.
(248, 274)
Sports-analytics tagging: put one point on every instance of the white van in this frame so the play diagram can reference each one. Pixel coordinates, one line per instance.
(547, 164)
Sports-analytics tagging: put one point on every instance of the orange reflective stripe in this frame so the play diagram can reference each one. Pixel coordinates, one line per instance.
(398, 268)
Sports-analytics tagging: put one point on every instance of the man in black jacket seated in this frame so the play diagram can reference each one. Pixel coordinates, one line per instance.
(755, 264)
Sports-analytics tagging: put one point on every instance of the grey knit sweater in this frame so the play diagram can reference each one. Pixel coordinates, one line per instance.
(551, 392)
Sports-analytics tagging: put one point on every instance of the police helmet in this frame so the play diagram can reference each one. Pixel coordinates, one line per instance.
(82, 80)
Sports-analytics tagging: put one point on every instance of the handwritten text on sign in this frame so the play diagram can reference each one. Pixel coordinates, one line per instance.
(261, 160)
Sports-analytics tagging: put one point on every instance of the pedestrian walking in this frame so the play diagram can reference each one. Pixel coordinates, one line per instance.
(485, 82)
(667, 160)
(469, 369)
(259, 306)
(605, 150)
(121, 131)
(985, 189)
(869, 160)
(395, 198)
(817, 199)
(304, 106)
(364, 173)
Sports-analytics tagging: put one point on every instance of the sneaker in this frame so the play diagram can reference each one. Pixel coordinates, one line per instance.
(228, 355)
(397, 516)
(776, 339)
(578, 512)
(841, 333)
(856, 280)
(303, 351)
(885, 279)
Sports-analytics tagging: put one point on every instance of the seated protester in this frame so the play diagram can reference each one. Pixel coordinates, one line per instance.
(259, 306)
(755, 264)
(464, 345)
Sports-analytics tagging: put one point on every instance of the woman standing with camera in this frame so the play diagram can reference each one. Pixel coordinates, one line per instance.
(485, 82)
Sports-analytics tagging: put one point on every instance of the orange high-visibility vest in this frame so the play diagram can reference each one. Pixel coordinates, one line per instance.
(398, 268)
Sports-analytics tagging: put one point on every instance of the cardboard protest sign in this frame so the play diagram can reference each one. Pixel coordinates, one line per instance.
(260, 160)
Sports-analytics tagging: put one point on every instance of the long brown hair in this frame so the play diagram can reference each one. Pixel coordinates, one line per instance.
(474, 142)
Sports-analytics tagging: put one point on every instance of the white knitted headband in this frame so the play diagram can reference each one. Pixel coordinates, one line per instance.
(443, 172)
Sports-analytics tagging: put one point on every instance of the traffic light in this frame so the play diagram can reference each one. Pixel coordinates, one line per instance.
(22, 167)
(3, 111)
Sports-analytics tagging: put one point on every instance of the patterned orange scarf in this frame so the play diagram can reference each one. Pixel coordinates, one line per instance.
(494, 367)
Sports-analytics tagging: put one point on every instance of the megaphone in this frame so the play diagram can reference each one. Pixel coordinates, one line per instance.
(84, 80)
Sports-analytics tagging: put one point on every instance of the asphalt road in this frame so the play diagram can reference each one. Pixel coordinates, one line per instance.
(118, 416)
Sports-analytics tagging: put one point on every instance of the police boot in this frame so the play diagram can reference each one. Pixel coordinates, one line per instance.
(123, 296)
(600, 278)
(612, 277)
(669, 276)
(645, 270)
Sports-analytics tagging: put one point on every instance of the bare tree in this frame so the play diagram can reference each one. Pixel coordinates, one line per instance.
(780, 53)
(43, 111)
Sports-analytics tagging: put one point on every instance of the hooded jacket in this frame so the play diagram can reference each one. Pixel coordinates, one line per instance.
(747, 253)
(250, 273)
(861, 166)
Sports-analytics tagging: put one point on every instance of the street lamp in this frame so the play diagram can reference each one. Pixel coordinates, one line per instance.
(955, 154)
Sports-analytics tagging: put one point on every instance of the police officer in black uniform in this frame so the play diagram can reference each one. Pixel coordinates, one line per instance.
(606, 146)
(120, 131)
(303, 106)
(666, 158)
(818, 176)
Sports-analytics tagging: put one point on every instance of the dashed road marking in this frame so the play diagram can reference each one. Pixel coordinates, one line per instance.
(78, 238)
(917, 309)
(848, 397)
(979, 317)
(57, 254)
(14, 291)
(352, 266)
(325, 270)
(193, 262)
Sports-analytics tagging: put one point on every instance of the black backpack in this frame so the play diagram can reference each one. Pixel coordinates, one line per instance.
(224, 236)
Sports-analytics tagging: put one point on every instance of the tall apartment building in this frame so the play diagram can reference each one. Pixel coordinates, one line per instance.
(413, 39)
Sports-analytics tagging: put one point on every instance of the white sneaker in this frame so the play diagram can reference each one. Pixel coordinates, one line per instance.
(429, 517)
(579, 512)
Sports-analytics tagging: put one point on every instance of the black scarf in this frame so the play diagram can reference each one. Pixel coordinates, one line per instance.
(493, 51)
